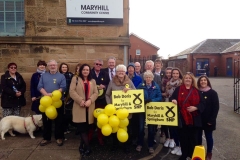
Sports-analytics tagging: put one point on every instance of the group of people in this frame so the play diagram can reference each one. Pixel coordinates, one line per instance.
(91, 88)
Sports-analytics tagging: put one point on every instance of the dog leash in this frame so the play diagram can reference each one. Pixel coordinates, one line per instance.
(33, 123)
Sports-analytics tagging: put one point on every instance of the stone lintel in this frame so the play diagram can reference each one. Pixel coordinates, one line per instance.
(121, 41)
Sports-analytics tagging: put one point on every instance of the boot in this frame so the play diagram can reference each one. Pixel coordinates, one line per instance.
(209, 156)
(100, 137)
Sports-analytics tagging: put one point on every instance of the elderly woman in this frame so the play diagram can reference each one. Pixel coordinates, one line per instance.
(13, 89)
(190, 104)
(83, 90)
(119, 82)
(152, 93)
(209, 115)
(35, 94)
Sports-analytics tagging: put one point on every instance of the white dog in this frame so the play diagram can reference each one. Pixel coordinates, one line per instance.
(20, 124)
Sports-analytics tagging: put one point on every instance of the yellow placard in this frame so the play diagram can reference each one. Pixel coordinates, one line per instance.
(133, 100)
(162, 113)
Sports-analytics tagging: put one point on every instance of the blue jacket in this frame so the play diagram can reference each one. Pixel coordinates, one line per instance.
(136, 79)
(153, 93)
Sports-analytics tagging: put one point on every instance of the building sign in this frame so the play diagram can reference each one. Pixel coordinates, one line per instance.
(94, 12)
(133, 100)
(162, 113)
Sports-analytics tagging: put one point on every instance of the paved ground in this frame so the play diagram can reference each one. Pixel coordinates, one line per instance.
(226, 145)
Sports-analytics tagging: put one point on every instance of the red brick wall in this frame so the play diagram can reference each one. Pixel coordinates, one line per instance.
(146, 49)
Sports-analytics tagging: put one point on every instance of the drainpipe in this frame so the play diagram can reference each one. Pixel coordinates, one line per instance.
(125, 54)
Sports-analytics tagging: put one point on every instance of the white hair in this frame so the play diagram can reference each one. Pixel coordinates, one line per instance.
(112, 58)
(99, 60)
(52, 60)
(148, 74)
(149, 61)
(121, 67)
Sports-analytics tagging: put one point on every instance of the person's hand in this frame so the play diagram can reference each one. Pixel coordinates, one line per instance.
(126, 89)
(18, 94)
(191, 108)
(174, 101)
(49, 94)
(101, 86)
(87, 103)
(34, 98)
(82, 103)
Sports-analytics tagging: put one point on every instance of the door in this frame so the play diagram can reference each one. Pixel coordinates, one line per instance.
(229, 67)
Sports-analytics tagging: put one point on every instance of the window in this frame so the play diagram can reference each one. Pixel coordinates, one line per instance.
(138, 52)
(12, 21)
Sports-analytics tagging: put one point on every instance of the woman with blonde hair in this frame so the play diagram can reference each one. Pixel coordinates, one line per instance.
(190, 105)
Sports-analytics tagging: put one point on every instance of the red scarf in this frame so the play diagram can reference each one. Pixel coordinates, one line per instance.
(193, 100)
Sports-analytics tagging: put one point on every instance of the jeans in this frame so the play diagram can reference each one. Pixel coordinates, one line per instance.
(151, 131)
(174, 135)
(209, 139)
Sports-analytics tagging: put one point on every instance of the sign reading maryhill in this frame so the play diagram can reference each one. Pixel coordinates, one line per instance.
(133, 100)
(163, 113)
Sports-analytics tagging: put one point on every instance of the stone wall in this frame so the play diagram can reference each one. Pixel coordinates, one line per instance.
(47, 36)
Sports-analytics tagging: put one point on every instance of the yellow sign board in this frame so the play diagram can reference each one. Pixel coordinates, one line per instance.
(132, 100)
(162, 113)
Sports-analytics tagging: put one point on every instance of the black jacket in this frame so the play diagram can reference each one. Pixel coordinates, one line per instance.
(210, 112)
(9, 98)
(201, 106)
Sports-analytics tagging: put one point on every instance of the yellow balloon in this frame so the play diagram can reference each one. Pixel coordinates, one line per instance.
(114, 129)
(114, 121)
(125, 128)
(57, 104)
(109, 109)
(42, 108)
(122, 113)
(56, 95)
(102, 119)
(123, 123)
(122, 135)
(99, 125)
(51, 112)
(106, 130)
(46, 101)
(97, 112)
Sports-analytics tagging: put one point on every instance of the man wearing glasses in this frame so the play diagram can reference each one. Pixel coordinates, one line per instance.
(102, 80)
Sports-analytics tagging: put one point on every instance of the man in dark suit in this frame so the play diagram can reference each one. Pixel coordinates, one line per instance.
(111, 67)
(102, 80)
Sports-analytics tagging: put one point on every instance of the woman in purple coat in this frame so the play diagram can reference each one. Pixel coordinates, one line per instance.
(35, 94)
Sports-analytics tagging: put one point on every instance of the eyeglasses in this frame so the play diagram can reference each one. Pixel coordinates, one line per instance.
(98, 64)
(13, 67)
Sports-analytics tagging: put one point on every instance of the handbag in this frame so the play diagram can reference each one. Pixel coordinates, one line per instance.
(180, 118)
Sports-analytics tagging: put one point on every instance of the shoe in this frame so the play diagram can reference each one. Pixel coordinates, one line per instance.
(59, 142)
(171, 143)
(44, 142)
(139, 148)
(179, 152)
(166, 144)
(209, 156)
(175, 150)
(151, 150)
(87, 152)
(81, 151)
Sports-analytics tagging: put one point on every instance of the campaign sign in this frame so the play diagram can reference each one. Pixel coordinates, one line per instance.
(132, 100)
(162, 113)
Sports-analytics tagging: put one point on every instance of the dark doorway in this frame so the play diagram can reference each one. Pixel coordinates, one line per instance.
(229, 67)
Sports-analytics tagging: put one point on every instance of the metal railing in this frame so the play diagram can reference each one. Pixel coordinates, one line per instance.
(236, 86)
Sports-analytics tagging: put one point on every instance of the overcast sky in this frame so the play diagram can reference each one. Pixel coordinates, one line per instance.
(175, 25)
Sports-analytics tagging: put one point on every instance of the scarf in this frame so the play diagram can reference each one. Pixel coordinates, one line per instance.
(192, 100)
(41, 72)
(204, 89)
(171, 85)
(164, 83)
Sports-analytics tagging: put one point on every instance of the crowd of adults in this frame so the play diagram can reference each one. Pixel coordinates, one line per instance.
(91, 87)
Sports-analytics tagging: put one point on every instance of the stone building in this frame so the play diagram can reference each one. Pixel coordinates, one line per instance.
(46, 35)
